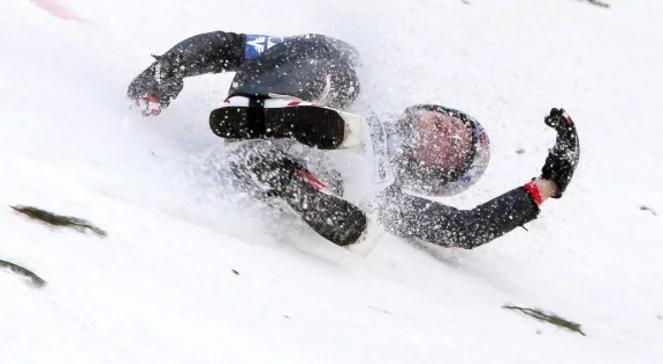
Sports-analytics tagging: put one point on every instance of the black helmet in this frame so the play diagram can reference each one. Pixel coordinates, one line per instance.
(442, 151)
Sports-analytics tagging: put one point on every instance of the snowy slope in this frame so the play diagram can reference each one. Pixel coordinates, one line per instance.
(161, 286)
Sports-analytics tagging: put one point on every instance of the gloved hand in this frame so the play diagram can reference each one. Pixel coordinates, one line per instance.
(563, 157)
(153, 89)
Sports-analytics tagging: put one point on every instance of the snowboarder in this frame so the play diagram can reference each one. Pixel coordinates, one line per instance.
(282, 106)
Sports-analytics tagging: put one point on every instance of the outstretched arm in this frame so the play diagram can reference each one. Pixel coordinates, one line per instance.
(162, 81)
(415, 217)
(204, 53)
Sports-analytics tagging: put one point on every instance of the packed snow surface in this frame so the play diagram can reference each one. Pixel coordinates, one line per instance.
(192, 274)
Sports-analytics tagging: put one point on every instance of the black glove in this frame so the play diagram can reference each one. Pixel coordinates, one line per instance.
(154, 88)
(563, 157)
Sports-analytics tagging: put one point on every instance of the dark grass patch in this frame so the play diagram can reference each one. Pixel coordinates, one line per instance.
(34, 279)
(52, 219)
(550, 318)
(381, 310)
(648, 209)
(597, 3)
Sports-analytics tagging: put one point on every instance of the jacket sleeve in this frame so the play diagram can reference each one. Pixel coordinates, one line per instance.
(204, 53)
(415, 217)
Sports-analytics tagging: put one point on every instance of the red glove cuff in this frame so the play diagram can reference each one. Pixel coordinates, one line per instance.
(533, 191)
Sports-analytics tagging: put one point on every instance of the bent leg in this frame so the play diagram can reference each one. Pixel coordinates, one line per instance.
(267, 172)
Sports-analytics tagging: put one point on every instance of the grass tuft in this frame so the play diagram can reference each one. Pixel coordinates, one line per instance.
(648, 209)
(550, 318)
(59, 220)
(597, 3)
(34, 279)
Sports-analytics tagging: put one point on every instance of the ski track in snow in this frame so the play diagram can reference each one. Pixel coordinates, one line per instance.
(192, 274)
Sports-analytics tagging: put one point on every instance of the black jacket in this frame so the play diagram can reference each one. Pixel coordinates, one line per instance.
(303, 66)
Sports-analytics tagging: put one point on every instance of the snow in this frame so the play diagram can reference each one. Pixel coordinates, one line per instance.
(161, 286)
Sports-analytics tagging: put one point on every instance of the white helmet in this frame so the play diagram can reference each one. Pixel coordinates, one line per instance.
(442, 151)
